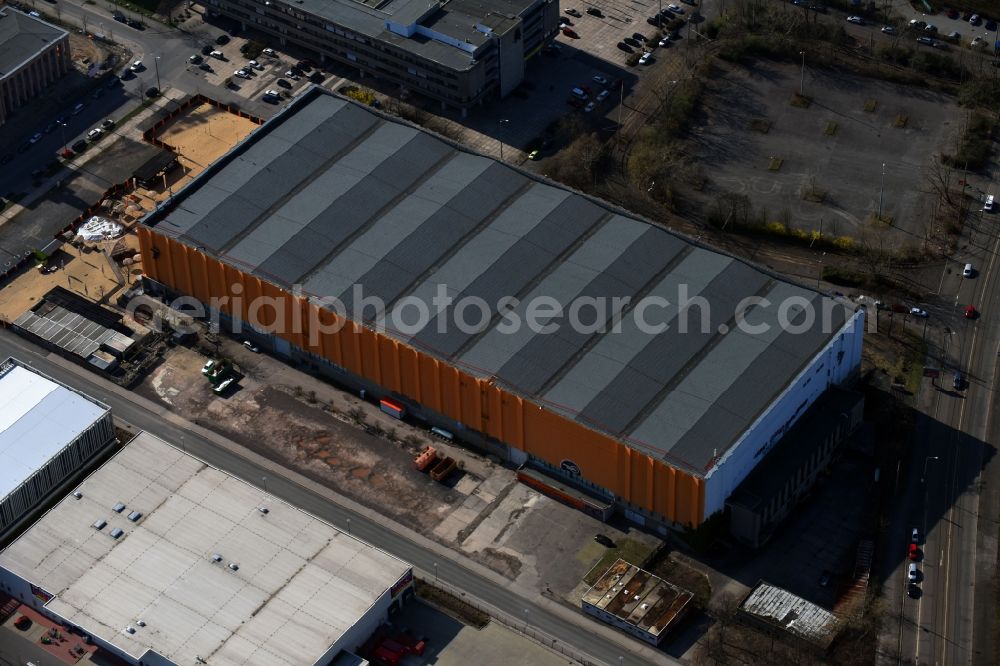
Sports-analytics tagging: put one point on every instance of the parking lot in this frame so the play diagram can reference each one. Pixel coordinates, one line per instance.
(821, 167)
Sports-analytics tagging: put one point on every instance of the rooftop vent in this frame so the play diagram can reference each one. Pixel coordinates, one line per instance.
(78, 495)
(134, 516)
(117, 532)
(216, 557)
(99, 524)
(118, 508)
(234, 566)
(263, 509)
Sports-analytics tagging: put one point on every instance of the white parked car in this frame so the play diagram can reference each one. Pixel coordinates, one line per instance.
(291, 75)
(268, 52)
(95, 134)
(603, 95)
(272, 94)
(676, 9)
(856, 20)
(646, 59)
(255, 64)
(889, 30)
(241, 74)
(137, 66)
(590, 107)
(597, 78)
(917, 312)
(217, 54)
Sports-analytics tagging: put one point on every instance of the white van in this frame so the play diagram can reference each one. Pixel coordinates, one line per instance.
(988, 204)
(967, 271)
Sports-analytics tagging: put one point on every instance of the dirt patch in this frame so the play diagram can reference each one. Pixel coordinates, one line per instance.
(370, 470)
(203, 135)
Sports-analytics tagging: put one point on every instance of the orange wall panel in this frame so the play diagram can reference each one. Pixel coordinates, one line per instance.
(477, 403)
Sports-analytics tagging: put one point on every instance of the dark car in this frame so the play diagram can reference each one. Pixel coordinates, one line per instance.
(639, 36)
(206, 49)
(991, 25)
(79, 146)
(632, 41)
(304, 65)
(205, 67)
(316, 77)
(569, 32)
(118, 16)
(624, 47)
(594, 11)
(152, 92)
(654, 20)
(222, 40)
(958, 383)
(138, 25)
(23, 147)
(564, 21)
(913, 591)
(282, 83)
(604, 540)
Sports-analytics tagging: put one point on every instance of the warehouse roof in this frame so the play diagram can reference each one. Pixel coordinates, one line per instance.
(298, 586)
(330, 194)
(38, 418)
(22, 37)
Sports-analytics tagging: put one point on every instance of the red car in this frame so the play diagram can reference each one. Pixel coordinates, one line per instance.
(569, 32)
(970, 312)
(914, 552)
(952, 13)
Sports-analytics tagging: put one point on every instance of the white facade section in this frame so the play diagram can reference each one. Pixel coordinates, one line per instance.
(835, 364)
(214, 567)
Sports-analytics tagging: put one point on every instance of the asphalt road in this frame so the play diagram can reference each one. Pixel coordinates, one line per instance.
(477, 586)
(953, 498)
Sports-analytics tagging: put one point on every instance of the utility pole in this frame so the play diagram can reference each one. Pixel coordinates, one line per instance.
(503, 123)
(881, 193)
(802, 75)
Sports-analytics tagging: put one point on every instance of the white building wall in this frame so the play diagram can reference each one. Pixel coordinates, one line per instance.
(835, 364)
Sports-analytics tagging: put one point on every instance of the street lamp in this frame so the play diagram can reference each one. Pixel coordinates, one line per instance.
(435, 572)
(156, 66)
(348, 525)
(62, 133)
(802, 75)
(923, 477)
(503, 123)
(881, 193)
(264, 479)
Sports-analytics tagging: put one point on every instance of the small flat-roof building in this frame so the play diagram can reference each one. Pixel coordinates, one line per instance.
(636, 601)
(48, 432)
(33, 54)
(163, 559)
(780, 612)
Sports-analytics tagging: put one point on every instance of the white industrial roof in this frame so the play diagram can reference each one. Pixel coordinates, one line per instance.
(791, 613)
(38, 418)
(301, 583)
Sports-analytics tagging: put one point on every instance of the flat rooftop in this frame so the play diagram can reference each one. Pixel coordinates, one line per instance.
(456, 20)
(300, 582)
(330, 194)
(638, 597)
(22, 37)
(784, 610)
(38, 418)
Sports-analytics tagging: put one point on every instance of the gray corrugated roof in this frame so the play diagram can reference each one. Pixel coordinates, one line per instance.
(330, 194)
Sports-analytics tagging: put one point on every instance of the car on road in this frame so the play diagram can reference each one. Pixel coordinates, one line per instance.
(915, 536)
(988, 203)
(913, 552)
(597, 78)
(856, 20)
(913, 573)
(35, 138)
(688, 2)
(79, 146)
(968, 271)
(251, 346)
(603, 95)
(971, 312)
(913, 591)
(917, 312)
(574, 12)
(604, 540)
(889, 30)
(646, 58)
(533, 155)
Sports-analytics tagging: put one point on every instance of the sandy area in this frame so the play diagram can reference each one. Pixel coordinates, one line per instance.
(204, 134)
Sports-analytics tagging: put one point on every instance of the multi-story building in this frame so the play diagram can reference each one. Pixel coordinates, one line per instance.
(33, 54)
(459, 52)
